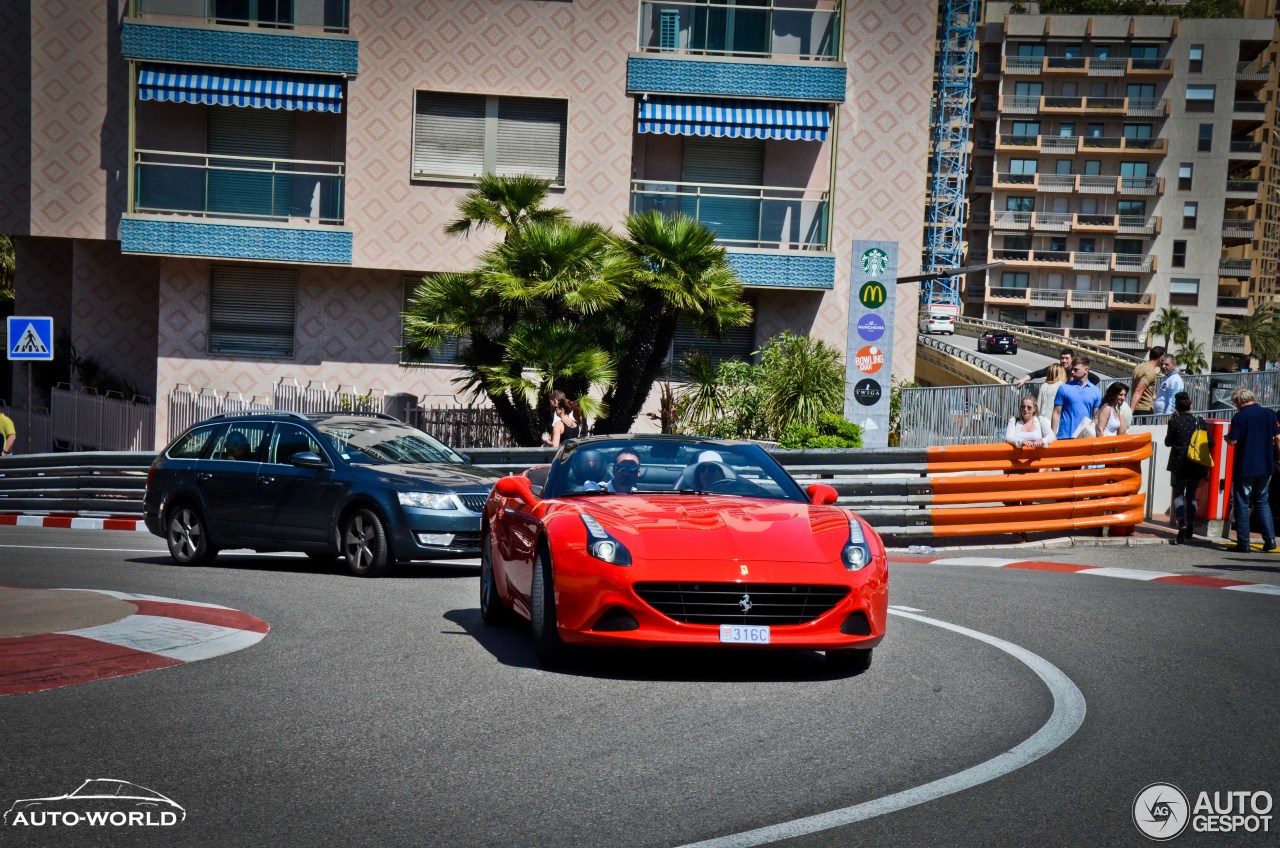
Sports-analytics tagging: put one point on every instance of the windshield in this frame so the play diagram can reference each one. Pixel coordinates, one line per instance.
(376, 441)
(669, 466)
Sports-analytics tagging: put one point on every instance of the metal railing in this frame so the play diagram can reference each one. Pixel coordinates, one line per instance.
(1235, 267)
(110, 483)
(83, 420)
(1249, 107)
(1094, 66)
(1249, 187)
(790, 28)
(966, 356)
(1228, 343)
(329, 16)
(768, 217)
(1257, 70)
(1049, 340)
(1235, 304)
(35, 435)
(216, 186)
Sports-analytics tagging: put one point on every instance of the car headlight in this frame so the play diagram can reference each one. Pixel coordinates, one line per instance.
(427, 500)
(857, 553)
(603, 546)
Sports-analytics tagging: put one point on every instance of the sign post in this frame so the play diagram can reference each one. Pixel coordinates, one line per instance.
(29, 339)
(868, 359)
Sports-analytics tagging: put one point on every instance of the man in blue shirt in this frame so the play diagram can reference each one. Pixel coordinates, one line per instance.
(1077, 400)
(1170, 385)
(1256, 437)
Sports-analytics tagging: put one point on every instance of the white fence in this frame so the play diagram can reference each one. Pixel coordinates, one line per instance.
(83, 420)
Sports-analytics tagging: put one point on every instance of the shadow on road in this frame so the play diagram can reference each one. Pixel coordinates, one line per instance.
(249, 561)
(511, 645)
(1241, 559)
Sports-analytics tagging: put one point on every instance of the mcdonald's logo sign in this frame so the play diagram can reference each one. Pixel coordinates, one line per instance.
(872, 295)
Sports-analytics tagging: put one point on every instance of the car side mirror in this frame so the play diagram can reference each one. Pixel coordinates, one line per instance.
(466, 457)
(822, 494)
(307, 459)
(520, 488)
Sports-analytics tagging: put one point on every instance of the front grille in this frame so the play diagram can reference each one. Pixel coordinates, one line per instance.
(465, 540)
(475, 503)
(722, 603)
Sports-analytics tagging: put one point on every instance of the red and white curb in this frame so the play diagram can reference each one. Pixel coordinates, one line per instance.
(74, 522)
(164, 632)
(1098, 571)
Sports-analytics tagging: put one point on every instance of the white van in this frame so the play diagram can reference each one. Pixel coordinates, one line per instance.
(938, 319)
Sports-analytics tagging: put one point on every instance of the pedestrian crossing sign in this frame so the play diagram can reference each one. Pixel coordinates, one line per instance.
(30, 338)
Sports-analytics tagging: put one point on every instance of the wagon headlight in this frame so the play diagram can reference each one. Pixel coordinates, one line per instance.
(857, 553)
(603, 546)
(426, 500)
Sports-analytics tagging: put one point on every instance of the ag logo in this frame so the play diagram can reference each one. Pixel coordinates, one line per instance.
(867, 392)
(874, 262)
(872, 295)
(1160, 811)
(869, 359)
(871, 327)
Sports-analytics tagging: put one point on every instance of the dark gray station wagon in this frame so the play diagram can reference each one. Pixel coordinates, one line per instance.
(364, 487)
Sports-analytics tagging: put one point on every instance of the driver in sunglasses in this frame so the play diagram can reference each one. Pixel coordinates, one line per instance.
(626, 471)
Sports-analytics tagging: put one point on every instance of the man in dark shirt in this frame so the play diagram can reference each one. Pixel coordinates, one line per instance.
(1256, 437)
(1065, 357)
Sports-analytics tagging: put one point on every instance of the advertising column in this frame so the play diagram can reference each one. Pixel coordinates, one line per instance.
(869, 347)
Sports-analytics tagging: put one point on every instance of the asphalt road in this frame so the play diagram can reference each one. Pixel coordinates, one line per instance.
(1023, 362)
(382, 712)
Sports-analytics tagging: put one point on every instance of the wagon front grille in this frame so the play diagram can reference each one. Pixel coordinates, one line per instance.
(741, 603)
(475, 503)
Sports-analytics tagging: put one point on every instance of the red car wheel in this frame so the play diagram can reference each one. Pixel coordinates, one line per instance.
(850, 660)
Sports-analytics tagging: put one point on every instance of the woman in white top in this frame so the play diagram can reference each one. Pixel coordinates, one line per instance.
(1028, 429)
(1110, 420)
(1053, 380)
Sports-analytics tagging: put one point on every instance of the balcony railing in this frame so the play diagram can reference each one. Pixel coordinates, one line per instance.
(1226, 343)
(1249, 107)
(209, 186)
(1143, 302)
(768, 217)
(1235, 267)
(1233, 305)
(1245, 146)
(1256, 71)
(1082, 221)
(1236, 228)
(1079, 260)
(328, 16)
(1249, 187)
(1036, 65)
(1051, 298)
(1125, 340)
(792, 29)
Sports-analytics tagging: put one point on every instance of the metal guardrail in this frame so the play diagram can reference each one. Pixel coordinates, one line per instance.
(967, 356)
(105, 482)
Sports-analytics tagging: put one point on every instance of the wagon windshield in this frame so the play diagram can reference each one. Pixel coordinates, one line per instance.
(671, 467)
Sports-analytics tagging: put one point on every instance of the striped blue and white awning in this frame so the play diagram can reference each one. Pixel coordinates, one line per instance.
(239, 88)
(735, 118)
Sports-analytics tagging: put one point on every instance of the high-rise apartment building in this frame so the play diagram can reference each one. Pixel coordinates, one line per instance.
(1123, 165)
(222, 193)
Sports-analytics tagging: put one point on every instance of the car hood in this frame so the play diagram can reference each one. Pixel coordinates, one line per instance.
(710, 527)
(438, 475)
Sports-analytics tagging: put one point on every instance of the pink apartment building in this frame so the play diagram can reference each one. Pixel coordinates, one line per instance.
(224, 193)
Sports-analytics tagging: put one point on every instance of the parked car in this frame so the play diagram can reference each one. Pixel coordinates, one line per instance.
(646, 541)
(997, 341)
(938, 322)
(364, 487)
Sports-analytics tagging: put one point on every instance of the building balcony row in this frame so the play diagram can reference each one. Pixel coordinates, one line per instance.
(1072, 222)
(1137, 107)
(1087, 66)
(1046, 298)
(1238, 229)
(1232, 305)
(1237, 268)
(1071, 144)
(1072, 183)
(1228, 343)
(1076, 260)
(773, 29)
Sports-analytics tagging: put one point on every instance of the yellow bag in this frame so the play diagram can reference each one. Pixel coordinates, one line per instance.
(1198, 448)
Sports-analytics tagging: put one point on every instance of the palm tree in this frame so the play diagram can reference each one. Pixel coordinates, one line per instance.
(1171, 323)
(674, 266)
(1191, 357)
(801, 379)
(1260, 329)
(506, 204)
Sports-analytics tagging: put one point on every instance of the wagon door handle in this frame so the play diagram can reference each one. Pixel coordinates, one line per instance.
(264, 479)
(204, 475)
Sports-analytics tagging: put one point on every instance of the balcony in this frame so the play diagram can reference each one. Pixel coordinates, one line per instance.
(980, 219)
(1125, 340)
(762, 217)
(1131, 302)
(1006, 220)
(1238, 229)
(1119, 144)
(1226, 343)
(1141, 185)
(1057, 183)
(1248, 111)
(1077, 65)
(1246, 150)
(1239, 268)
(1076, 260)
(1255, 71)
(1089, 299)
(1228, 305)
(277, 35)
(1243, 189)
(774, 29)
(1047, 298)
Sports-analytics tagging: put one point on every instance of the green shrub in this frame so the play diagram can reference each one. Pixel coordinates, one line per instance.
(831, 431)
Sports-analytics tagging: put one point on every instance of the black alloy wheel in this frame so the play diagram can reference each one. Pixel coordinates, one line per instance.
(364, 544)
(187, 536)
(548, 647)
(492, 610)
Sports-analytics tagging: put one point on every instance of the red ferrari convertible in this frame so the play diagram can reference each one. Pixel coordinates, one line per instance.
(647, 541)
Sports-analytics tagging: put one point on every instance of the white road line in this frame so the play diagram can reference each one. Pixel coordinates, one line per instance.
(905, 609)
(1265, 589)
(1068, 715)
(1125, 573)
(987, 562)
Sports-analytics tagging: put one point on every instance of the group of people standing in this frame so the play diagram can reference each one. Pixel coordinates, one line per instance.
(1069, 405)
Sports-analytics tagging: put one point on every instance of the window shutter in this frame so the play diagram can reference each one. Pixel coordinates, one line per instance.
(448, 135)
(233, 187)
(738, 343)
(726, 161)
(251, 311)
(531, 137)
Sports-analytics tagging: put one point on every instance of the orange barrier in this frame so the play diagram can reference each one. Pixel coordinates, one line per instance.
(1072, 484)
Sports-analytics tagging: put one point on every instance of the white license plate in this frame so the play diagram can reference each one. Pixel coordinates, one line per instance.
(744, 634)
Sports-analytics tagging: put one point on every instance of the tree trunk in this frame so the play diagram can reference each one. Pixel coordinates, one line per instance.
(521, 421)
(635, 373)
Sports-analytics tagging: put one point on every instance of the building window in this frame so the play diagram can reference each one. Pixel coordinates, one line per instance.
(462, 136)
(1080, 321)
(1095, 130)
(1195, 58)
(1020, 204)
(1015, 279)
(1206, 139)
(1092, 167)
(1131, 208)
(447, 353)
(1066, 130)
(1186, 172)
(1124, 285)
(737, 344)
(1190, 210)
(251, 311)
(1184, 291)
(1179, 254)
(1200, 98)
(1122, 322)
(1137, 131)
(1088, 244)
(1131, 247)
(1063, 167)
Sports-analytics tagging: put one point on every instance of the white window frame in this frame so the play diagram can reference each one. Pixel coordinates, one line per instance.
(492, 152)
(1184, 285)
(233, 288)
